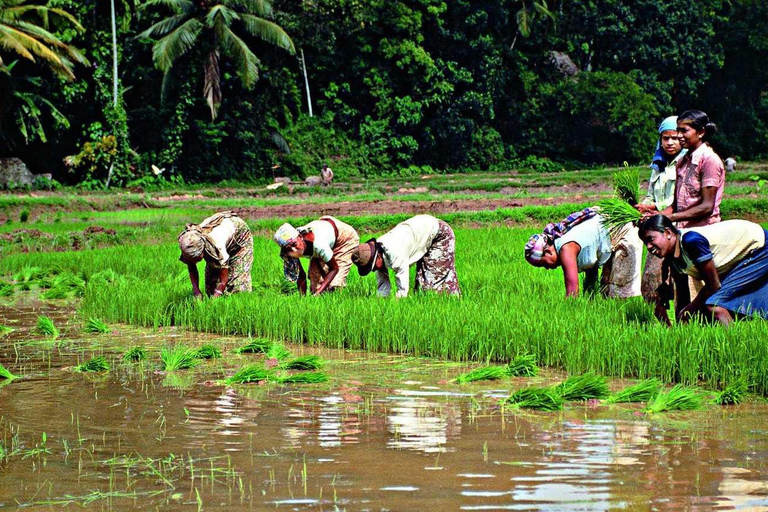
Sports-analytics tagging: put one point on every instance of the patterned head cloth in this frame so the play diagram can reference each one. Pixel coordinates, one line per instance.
(534, 248)
(285, 234)
(191, 243)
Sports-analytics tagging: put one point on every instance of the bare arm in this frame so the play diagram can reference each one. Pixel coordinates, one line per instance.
(194, 277)
(701, 211)
(222, 282)
(568, 254)
(711, 285)
(333, 269)
(301, 282)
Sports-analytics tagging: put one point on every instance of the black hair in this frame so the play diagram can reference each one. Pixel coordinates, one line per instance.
(699, 121)
(658, 223)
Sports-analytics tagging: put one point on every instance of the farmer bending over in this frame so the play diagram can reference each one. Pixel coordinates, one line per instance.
(730, 257)
(424, 240)
(224, 241)
(328, 243)
(580, 243)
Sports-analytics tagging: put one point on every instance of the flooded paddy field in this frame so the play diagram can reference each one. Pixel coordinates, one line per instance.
(385, 432)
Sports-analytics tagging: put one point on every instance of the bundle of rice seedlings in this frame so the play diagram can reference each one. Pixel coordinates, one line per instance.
(6, 290)
(135, 354)
(637, 310)
(583, 387)
(97, 364)
(4, 329)
(524, 365)
(679, 398)
(27, 275)
(303, 363)
(733, 393)
(303, 378)
(46, 327)
(643, 391)
(255, 345)
(542, 399)
(249, 373)
(208, 352)
(178, 357)
(626, 184)
(65, 285)
(5, 374)
(485, 373)
(277, 351)
(616, 213)
(95, 325)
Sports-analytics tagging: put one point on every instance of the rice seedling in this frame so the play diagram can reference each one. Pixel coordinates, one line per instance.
(303, 378)
(616, 213)
(46, 327)
(637, 310)
(679, 398)
(643, 391)
(208, 352)
(257, 345)
(97, 364)
(732, 394)
(27, 275)
(178, 357)
(303, 363)
(484, 373)
(249, 373)
(542, 399)
(6, 290)
(4, 329)
(5, 374)
(64, 286)
(626, 184)
(583, 387)
(278, 351)
(524, 365)
(135, 354)
(94, 325)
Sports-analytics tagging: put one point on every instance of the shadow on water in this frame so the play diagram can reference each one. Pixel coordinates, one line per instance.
(386, 432)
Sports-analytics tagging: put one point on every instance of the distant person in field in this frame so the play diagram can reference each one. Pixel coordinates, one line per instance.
(224, 241)
(730, 257)
(423, 240)
(580, 243)
(730, 164)
(328, 243)
(326, 174)
(661, 195)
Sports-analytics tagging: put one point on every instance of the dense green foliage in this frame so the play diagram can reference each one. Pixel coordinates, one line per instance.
(398, 87)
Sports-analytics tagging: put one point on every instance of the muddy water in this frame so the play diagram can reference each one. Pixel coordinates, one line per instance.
(385, 433)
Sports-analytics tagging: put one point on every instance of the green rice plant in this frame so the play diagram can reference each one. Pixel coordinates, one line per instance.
(484, 373)
(97, 364)
(303, 363)
(94, 325)
(6, 290)
(27, 276)
(278, 351)
(208, 352)
(64, 286)
(524, 365)
(542, 399)
(679, 398)
(637, 310)
(249, 373)
(135, 354)
(733, 393)
(583, 387)
(178, 357)
(4, 330)
(257, 345)
(5, 374)
(643, 391)
(46, 327)
(626, 184)
(303, 378)
(616, 213)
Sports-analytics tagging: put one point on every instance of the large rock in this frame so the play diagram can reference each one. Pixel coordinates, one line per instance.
(13, 170)
(313, 181)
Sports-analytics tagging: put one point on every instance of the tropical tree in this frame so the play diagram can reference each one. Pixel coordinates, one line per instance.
(527, 14)
(211, 22)
(21, 36)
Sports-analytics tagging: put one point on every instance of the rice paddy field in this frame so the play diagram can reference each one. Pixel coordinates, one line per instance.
(119, 390)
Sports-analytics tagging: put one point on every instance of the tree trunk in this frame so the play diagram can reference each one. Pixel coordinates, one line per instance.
(306, 82)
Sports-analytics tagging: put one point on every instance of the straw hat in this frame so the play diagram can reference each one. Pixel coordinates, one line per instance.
(365, 257)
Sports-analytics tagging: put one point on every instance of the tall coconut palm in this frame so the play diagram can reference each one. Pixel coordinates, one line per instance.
(525, 16)
(214, 20)
(20, 35)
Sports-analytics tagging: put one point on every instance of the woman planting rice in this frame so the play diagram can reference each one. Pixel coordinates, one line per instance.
(730, 257)
(328, 243)
(424, 240)
(581, 243)
(225, 242)
(661, 194)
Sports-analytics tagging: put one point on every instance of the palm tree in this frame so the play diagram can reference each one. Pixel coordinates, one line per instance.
(215, 20)
(527, 14)
(19, 35)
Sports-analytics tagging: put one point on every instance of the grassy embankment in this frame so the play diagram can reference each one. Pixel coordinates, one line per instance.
(507, 308)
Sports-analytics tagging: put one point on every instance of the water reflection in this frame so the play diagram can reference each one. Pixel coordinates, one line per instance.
(417, 423)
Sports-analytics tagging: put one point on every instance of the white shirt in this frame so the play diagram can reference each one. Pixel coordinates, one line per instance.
(403, 246)
(221, 235)
(325, 239)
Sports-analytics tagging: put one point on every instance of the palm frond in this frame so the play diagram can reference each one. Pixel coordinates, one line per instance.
(174, 45)
(220, 14)
(246, 61)
(212, 83)
(267, 31)
(177, 6)
(164, 27)
(257, 7)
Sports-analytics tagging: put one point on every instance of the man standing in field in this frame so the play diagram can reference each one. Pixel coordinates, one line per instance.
(326, 174)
